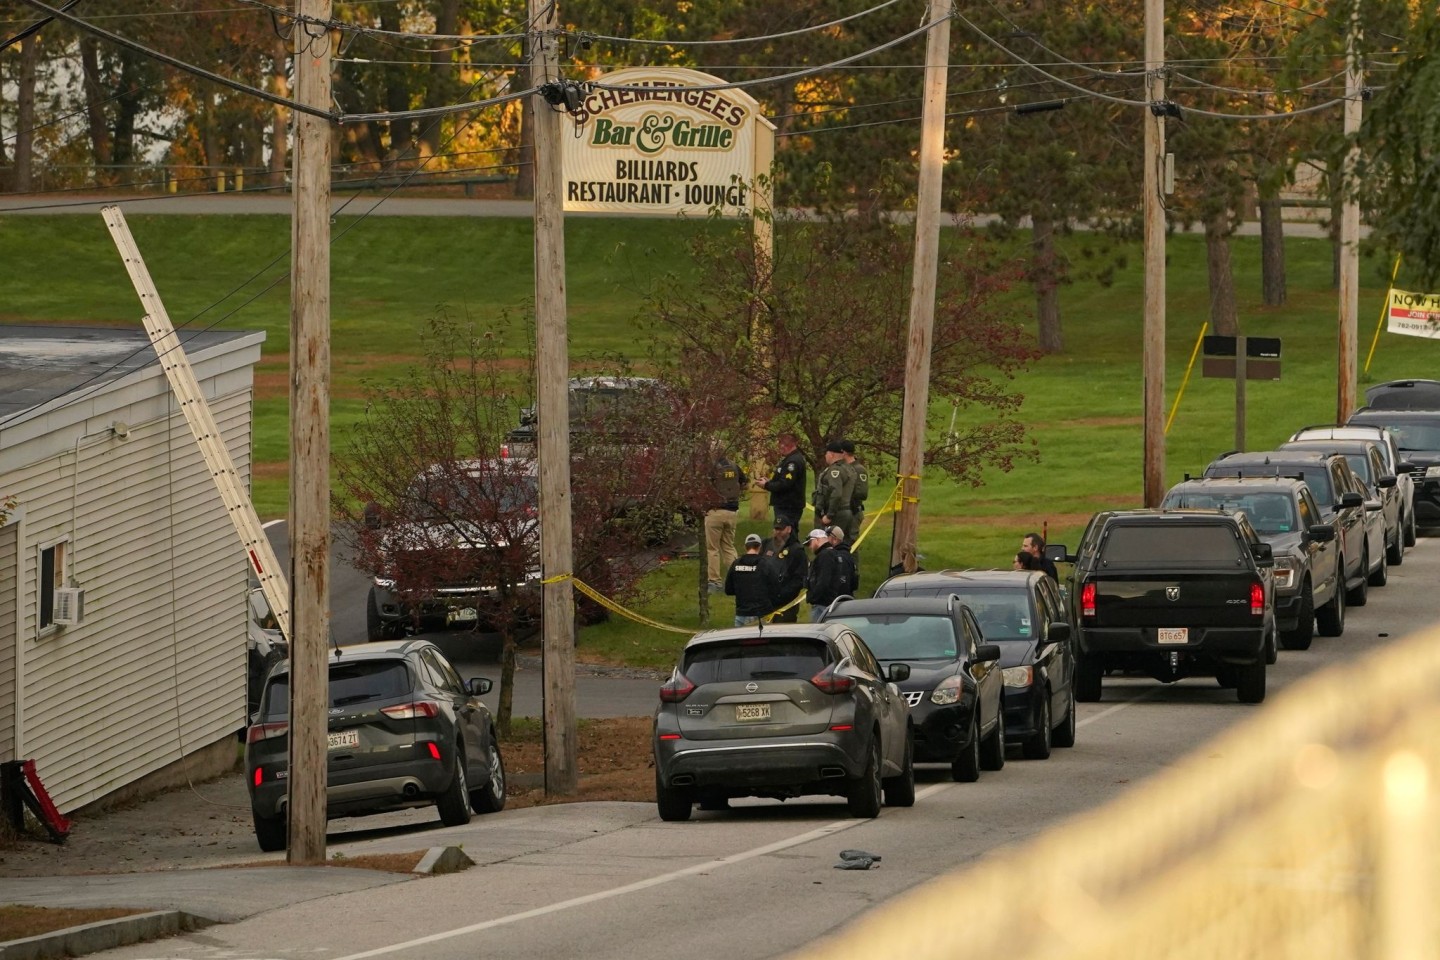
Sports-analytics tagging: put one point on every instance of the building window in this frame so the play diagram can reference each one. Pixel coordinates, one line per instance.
(52, 576)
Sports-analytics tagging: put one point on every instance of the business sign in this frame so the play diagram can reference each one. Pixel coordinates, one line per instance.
(1414, 314)
(658, 146)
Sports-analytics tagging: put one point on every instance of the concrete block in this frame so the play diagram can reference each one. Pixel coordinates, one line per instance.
(104, 935)
(439, 860)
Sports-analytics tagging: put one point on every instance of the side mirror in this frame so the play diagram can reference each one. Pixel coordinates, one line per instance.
(1406, 466)
(372, 515)
(478, 686)
(1263, 553)
(987, 653)
(1059, 632)
(1056, 553)
(1386, 482)
(1372, 505)
(1351, 501)
(899, 672)
(1321, 532)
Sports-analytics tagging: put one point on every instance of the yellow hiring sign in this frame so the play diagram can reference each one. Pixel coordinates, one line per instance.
(1414, 314)
(661, 141)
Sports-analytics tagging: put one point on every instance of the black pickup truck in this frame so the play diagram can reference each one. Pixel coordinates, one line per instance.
(1173, 594)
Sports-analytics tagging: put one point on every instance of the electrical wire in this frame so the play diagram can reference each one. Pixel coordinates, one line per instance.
(1259, 93)
(360, 29)
(808, 71)
(875, 123)
(1035, 39)
(641, 41)
(1337, 24)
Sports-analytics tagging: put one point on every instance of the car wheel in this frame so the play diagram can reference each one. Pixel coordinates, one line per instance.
(490, 797)
(673, 803)
(1381, 574)
(454, 803)
(966, 768)
(1250, 683)
(1409, 527)
(900, 791)
(1395, 552)
(1330, 619)
(1064, 735)
(992, 748)
(1037, 746)
(1360, 595)
(269, 832)
(1088, 674)
(863, 795)
(1272, 647)
(1304, 632)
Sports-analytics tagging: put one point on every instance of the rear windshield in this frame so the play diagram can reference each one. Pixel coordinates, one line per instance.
(350, 683)
(755, 660)
(1268, 512)
(1193, 544)
(899, 636)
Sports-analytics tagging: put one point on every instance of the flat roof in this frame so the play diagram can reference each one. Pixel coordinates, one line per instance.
(40, 362)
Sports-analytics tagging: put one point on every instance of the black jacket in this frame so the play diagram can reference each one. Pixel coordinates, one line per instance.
(849, 569)
(787, 486)
(751, 581)
(825, 582)
(793, 566)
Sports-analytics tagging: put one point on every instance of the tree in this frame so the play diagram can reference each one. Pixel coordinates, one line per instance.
(815, 342)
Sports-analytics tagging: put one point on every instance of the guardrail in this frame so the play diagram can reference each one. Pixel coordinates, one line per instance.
(1315, 839)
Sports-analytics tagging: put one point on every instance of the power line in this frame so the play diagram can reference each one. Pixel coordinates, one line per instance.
(641, 41)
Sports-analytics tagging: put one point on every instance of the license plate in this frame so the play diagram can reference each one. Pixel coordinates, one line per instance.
(344, 738)
(750, 712)
(1173, 634)
(463, 615)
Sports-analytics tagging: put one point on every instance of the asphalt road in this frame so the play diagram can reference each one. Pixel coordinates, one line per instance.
(612, 881)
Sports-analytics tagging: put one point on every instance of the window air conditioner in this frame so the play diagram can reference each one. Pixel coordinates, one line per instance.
(69, 606)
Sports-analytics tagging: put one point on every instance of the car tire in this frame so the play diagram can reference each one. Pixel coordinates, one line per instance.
(1330, 619)
(992, 748)
(490, 797)
(900, 791)
(1360, 595)
(1064, 734)
(270, 832)
(1250, 683)
(966, 768)
(1381, 574)
(1272, 647)
(1088, 679)
(865, 794)
(1304, 632)
(1395, 552)
(1409, 527)
(673, 803)
(1037, 745)
(454, 803)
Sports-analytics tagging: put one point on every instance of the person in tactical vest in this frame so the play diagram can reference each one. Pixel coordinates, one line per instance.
(727, 480)
(789, 555)
(836, 489)
(823, 584)
(861, 492)
(787, 483)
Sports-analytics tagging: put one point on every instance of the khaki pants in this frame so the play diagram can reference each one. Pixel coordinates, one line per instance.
(719, 543)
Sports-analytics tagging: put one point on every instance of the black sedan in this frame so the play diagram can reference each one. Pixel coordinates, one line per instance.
(1022, 611)
(954, 683)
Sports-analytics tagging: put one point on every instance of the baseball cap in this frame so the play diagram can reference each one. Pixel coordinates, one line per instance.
(817, 534)
(753, 540)
(834, 446)
(783, 522)
(837, 532)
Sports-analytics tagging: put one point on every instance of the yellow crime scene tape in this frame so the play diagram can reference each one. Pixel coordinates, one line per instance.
(892, 503)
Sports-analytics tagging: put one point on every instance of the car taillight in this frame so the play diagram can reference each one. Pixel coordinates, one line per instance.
(259, 775)
(828, 681)
(677, 689)
(1257, 599)
(412, 710)
(1087, 600)
(434, 749)
(265, 731)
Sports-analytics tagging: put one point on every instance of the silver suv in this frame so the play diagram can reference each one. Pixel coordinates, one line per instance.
(780, 712)
(1384, 438)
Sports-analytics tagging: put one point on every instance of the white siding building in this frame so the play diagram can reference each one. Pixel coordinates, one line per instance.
(114, 499)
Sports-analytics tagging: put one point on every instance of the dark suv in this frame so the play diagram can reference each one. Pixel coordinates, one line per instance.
(405, 731)
(1341, 503)
(1022, 612)
(1173, 594)
(1285, 515)
(1417, 436)
(779, 712)
(954, 687)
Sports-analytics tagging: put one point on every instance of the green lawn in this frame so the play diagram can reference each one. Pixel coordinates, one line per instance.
(389, 275)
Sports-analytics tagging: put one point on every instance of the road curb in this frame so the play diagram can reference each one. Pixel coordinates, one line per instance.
(104, 935)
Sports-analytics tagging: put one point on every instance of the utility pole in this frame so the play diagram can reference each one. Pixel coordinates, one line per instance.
(310, 441)
(1153, 350)
(922, 284)
(1350, 226)
(552, 396)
